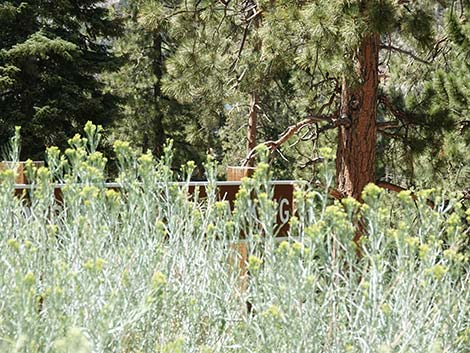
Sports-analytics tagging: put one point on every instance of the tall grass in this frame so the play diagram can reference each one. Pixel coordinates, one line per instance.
(148, 269)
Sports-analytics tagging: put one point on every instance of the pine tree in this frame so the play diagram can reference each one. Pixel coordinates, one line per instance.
(151, 115)
(365, 107)
(218, 69)
(448, 164)
(325, 65)
(51, 56)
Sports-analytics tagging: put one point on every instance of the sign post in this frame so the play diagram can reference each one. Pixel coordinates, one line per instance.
(237, 174)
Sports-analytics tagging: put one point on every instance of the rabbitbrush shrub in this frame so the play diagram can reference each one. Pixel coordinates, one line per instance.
(147, 269)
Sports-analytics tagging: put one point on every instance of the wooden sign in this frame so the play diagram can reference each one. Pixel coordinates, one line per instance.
(283, 191)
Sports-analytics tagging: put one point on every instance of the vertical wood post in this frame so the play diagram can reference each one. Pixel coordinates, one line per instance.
(237, 174)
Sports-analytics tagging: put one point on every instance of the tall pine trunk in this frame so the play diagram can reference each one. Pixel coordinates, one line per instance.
(254, 99)
(355, 159)
(252, 124)
(157, 121)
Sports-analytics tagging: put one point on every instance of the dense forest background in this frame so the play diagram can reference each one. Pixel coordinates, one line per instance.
(384, 83)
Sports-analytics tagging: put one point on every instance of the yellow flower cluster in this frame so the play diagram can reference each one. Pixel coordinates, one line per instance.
(210, 230)
(112, 196)
(405, 196)
(29, 279)
(7, 176)
(351, 203)
(285, 248)
(14, 244)
(91, 129)
(221, 206)
(437, 271)
(77, 141)
(371, 192)
(412, 242)
(89, 192)
(95, 264)
(453, 255)
(254, 263)
(316, 231)
(158, 280)
(121, 147)
(327, 153)
(272, 312)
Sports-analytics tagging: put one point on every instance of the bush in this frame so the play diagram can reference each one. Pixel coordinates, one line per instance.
(144, 268)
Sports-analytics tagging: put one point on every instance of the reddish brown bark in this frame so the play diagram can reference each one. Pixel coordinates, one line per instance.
(254, 102)
(355, 159)
(252, 124)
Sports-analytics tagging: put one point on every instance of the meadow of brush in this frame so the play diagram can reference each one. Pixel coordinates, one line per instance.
(144, 268)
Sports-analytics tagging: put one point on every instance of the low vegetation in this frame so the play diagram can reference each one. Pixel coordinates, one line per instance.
(144, 268)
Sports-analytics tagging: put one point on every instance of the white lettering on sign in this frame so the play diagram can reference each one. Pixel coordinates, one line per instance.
(284, 210)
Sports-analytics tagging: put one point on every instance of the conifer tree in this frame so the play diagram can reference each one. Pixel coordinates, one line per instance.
(218, 69)
(51, 55)
(449, 163)
(330, 62)
(151, 115)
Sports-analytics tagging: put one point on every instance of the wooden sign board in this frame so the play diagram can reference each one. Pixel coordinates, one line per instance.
(283, 191)
(283, 195)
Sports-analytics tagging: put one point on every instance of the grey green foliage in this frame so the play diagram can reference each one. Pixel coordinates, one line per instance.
(147, 269)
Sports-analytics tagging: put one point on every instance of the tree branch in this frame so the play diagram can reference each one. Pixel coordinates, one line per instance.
(334, 193)
(392, 187)
(312, 162)
(404, 51)
(384, 125)
(389, 186)
(240, 49)
(273, 145)
(395, 112)
(393, 136)
(180, 12)
(252, 17)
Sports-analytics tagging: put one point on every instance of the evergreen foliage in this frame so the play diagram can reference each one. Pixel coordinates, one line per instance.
(218, 65)
(200, 71)
(296, 55)
(150, 116)
(450, 164)
(51, 53)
